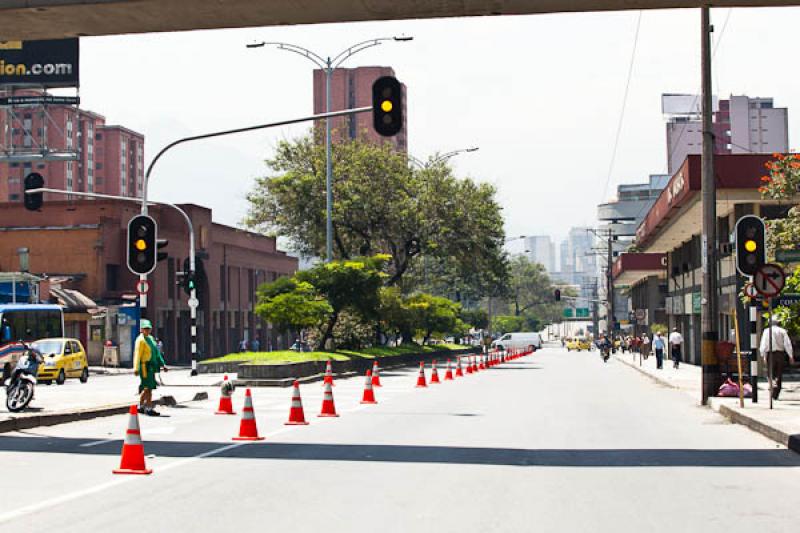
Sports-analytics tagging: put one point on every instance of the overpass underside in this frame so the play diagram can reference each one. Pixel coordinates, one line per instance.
(45, 19)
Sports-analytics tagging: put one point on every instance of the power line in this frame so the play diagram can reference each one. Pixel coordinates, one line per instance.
(624, 102)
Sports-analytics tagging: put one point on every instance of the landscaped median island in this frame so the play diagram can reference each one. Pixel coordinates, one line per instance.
(279, 368)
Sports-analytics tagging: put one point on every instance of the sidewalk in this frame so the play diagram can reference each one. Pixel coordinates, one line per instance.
(103, 395)
(781, 424)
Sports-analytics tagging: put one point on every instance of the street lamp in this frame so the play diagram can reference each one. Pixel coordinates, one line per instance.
(440, 158)
(328, 65)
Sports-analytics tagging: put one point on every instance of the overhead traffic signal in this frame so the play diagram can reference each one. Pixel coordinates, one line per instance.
(142, 244)
(751, 254)
(161, 243)
(557, 295)
(387, 106)
(33, 202)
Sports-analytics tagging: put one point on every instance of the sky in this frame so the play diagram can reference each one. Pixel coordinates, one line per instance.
(540, 95)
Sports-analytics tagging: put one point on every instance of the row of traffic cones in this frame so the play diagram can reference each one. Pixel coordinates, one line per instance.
(474, 364)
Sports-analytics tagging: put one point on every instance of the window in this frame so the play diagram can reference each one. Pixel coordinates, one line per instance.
(99, 166)
(41, 166)
(112, 277)
(13, 197)
(33, 325)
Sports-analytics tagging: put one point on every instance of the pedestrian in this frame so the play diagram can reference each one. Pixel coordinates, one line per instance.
(256, 345)
(776, 352)
(645, 346)
(675, 342)
(658, 346)
(147, 362)
(243, 345)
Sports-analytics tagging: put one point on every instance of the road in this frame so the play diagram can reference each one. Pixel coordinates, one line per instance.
(555, 441)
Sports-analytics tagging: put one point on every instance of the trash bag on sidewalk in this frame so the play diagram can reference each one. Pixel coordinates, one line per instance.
(730, 389)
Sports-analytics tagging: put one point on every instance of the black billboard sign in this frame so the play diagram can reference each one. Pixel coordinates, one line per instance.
(50, 63)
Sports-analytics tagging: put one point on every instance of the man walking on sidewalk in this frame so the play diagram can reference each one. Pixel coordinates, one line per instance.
(658, 346)
(776, 358)
(675, 342)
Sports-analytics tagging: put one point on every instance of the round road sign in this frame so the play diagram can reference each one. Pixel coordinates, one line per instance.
(769, 280)
(142, 286)
(750, 291)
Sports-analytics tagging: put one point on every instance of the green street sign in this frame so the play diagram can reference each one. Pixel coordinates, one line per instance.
(582, 312)
(787, 256)
(568, 312)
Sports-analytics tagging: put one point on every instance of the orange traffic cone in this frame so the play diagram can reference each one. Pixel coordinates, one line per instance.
(434, 373)
(247, 427)
(376, 378)
(329, 374)
(421, 379)
(469, 365)
(475, 367)
(132, 460)
(459, 371)
(502, 357)
(297, 416)
(328, 407)
(369, 394)
(448, 376)
(225, 403)
(481, 364)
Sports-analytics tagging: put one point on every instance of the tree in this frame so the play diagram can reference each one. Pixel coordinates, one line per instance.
(477, 318)
(507, 323)
(351, 286)
(435, 314)
(381, 205)
(288, 303)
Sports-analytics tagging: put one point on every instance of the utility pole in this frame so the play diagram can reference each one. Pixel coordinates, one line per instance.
(708, 312)
(610, 285)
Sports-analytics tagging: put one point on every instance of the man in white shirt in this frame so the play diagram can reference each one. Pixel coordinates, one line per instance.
(776, 353)
(675, 342)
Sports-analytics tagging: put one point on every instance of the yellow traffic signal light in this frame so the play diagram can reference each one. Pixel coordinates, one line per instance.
(750, 245)
(387, 106)
(750, 233)
(142, 236)
(141, 245)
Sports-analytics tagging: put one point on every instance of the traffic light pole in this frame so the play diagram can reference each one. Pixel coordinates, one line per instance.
(193, 302)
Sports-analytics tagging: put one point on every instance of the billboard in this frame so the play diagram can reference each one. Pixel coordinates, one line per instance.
(51, 63)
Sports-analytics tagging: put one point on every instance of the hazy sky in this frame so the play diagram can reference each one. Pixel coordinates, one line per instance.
(540, 95)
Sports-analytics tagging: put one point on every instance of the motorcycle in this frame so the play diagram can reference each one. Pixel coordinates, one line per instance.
(21, 385)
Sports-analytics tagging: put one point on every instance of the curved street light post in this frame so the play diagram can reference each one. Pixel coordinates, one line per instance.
(328, 65)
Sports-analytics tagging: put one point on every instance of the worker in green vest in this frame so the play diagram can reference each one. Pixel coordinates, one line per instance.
(147, 362)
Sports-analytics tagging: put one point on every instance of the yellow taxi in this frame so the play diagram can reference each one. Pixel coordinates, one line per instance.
(63, 358)
(578, 345)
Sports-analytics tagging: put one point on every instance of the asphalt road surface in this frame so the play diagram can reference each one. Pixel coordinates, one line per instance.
(555, 441)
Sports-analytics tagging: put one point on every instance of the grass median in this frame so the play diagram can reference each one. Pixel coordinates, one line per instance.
(288, 356)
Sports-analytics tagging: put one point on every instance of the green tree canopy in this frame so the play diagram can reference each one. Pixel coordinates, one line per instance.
(289, 303)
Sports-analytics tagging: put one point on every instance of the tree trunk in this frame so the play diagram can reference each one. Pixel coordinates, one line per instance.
(328, 331)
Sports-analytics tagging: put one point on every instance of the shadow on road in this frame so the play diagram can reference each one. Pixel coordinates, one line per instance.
(581, 458)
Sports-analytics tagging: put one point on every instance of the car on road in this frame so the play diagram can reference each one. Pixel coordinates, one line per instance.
(578, 345)
(518, 340)
(63, 358)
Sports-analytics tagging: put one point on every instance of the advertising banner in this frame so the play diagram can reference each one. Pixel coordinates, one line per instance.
(51, 63)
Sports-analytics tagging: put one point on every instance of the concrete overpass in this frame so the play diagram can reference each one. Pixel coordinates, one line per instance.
(41, 19)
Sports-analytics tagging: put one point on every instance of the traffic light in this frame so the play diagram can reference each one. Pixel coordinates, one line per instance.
(142, 239)
(33, 202)
(187, 279)
(557, 295)
(750, 246)
(387, 106)
(161, 243)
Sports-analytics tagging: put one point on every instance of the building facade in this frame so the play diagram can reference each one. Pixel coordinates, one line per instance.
(541, 249)
(108, 159)
(741, 125)
(351, 88)
(86, 249)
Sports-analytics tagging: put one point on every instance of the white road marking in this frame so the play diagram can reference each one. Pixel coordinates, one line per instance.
(97, 443)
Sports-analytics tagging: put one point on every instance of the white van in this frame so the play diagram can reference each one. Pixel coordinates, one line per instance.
(514, 341)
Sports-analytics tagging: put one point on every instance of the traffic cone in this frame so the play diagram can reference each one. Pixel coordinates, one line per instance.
(435, 373)
(475, 367)
(328, 407)
(502, 357)
(132, 459)
(376, 378)
(469, 365)
(421, 378)
(459, 371)
(225, 403)
(481, 364)
(369, 394)
(247, 427)
(328, 374)
(297, 416)
(448, 376)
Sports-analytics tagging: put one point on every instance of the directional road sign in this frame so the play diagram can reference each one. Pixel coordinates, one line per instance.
(769, 280)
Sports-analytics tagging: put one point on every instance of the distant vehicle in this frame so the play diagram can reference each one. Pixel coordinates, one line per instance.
(578, 345)
(63, 358)
(514, 341)
(27, 323)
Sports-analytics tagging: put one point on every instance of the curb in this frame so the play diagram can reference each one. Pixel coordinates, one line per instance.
(792, 442)
(54, 419)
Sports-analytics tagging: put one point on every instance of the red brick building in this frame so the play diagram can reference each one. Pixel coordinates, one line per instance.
(351, 88)
(110, 159)
(86, 243)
